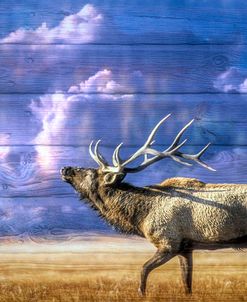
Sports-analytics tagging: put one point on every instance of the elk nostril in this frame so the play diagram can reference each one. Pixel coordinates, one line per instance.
(67, 171)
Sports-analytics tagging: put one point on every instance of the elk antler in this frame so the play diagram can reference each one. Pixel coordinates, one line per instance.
(119, 165)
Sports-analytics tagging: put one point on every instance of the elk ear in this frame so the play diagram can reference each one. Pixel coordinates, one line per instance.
(113, 178)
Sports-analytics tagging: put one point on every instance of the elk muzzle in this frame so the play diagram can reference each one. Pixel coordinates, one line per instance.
(67, 173)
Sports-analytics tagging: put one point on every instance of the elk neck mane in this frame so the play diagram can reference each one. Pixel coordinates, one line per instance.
(123, 206)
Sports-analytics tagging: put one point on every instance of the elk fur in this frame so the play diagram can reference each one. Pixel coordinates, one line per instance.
(177, 216)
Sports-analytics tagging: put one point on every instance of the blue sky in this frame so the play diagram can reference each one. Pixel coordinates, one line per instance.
(223, 16)
(73, 72)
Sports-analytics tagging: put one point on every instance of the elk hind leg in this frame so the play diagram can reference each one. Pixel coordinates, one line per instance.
(186, 266)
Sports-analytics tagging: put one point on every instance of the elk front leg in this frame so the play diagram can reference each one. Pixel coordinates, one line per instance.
(186, 266)
(159, 258)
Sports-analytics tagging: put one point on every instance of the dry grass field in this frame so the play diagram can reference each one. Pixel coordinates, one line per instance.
(107, 269)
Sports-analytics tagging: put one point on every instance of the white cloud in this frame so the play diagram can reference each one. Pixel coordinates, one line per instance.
(81, 27)
(232, 80)
(104, 81)
(55, 111)
(101, 82)
(51, 111)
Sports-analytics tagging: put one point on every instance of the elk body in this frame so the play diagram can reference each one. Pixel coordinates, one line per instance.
(177, 216)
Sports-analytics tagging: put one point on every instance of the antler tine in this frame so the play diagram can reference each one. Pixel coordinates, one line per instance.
(143, 150)
(103, 162)
(153, 132)
(96, 156)
(92, 153)
(196, 158)
(173, 151)
(96, 149)
(90, 149)
(177, 138)
(116, 157)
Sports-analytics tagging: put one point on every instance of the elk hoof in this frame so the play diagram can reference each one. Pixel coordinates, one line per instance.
(141, 292)
(188, 291)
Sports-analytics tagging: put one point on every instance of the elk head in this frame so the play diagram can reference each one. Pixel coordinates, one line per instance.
(86, 180)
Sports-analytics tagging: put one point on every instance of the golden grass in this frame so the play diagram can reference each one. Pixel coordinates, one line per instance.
(113, 275)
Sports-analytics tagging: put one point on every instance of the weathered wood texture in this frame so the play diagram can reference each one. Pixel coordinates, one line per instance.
(36, 152)
(218, 119)
(161, 58)
(139, 69)
(175, 23)
(34, 173)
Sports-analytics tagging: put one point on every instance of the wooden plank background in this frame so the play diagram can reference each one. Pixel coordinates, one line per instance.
(79, 62)
(219, 24)
(163, 62)
(72, 72)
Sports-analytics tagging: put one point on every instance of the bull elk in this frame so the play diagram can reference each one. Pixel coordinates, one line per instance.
(177, 216)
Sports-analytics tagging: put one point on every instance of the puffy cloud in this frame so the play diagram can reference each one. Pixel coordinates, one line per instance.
(49, 64)
(103, 82)
(50, 110)
(232, 80)
(77, 28)
(55, 111)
